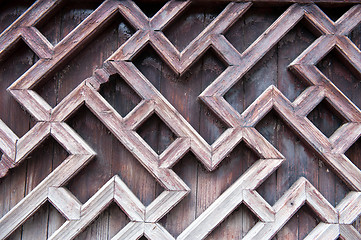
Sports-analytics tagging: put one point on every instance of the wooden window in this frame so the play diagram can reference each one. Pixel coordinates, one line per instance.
(180, 120)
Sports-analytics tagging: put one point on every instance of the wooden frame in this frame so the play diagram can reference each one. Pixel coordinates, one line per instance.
(336, 222)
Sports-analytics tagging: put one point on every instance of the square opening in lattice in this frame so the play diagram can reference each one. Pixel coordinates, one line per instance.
(182, 91)
(341, 73)
(251, 25)
(300, 225)
(111, 218)
(354, 153)
(150, 8)
(191, 22)
(10, 11)
(14, 62)
(355, 36)
(66, 16)
(235, 226)
(334, 11)
(326, 118)
(119, 94)
(156, 133)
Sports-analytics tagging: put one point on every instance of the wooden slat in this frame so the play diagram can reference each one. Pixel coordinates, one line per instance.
(320, 205)
(345, 23)
(324, 231)
(349, 209)
(162, 204)
(156, 231)
(133, 230)
(348, 232)
(124, 197)
(37, 42)
(7, 140)
(258, 206)
(89, 211)
(65, 202)
(229, 200)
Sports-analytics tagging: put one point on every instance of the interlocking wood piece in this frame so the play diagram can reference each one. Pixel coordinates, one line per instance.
(301, 192)
(65, 202)
(350, 208)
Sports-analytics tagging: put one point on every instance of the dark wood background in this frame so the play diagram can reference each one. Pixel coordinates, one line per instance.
(181, 91)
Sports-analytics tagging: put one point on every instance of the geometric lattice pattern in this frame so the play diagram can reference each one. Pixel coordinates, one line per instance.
(335, 221)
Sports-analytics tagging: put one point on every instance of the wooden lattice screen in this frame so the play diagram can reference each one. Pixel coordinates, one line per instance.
(244, 102)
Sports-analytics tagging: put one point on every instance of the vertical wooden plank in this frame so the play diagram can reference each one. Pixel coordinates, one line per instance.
(55, 219)
(10, 11)
(333, 67)
(269, 128)
(236, 225)
(248, 88)
(12, 191)
(289, 48)
(212, 184)
(112, 158)
(82, 66)
(182, 92)
(106, 225)
(354, 152)
(40, 164)
(117, 220)
(186, 169)
(173, 88)
(300, 225)
(286, 175)
(341, 74)
(299, 160)
(55, 27)
(98, 229)
(210, 126)
(307, 221)
(14, 63)
(191, 22)
(83, 185)
(251, 25)
(331, 186)
(47, 220)
(355, 36)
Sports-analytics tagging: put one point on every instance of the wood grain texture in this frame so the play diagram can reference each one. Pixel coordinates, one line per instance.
(135, 167)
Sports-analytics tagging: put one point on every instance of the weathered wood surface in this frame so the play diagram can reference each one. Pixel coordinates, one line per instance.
(217, 122)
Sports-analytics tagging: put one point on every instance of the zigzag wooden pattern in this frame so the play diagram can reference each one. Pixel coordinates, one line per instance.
(336, 222)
